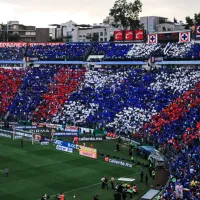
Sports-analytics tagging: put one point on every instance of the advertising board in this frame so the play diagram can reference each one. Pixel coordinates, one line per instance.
(5, 135)
(90, 139)
(86, 130)
(118, 162)
(65, 134)
(18, 137)
(66, 149)
(18, 132)
(12, 44)
(44, 143)
(88, 152)
(66, 144)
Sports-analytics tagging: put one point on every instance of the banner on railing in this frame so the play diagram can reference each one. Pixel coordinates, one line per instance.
(12, 44)
(45, 44)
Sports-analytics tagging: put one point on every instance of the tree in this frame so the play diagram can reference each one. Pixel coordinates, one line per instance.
(192, 21)
(126, 15)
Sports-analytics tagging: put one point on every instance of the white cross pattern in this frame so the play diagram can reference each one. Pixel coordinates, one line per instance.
(198, 29)
(152, 38)
(184, 36)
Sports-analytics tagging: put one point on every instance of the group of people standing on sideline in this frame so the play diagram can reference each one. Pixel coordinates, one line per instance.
(104, 182)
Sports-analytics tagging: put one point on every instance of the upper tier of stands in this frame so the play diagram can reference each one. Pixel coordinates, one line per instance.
(12, 53)
(68, 51)
(109, 51)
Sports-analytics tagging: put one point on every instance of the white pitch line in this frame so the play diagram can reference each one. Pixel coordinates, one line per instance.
(81, 188)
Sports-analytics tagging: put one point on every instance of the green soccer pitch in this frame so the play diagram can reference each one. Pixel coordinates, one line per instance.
(36, 170)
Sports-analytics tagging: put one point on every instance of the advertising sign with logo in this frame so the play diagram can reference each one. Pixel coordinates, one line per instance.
(18, 137)
(118, 35)
(71, 129)
(31, 59)
(88, 152)
(12, 44)
(25, 127)
(152, 39)
(18, 132)
(86, 130)
(42, 130)
(129, 35)
(66, 149)
(46, 44)
(66, 144)
(197, 33)
(90, 139)
(118, 162)
(44, 143)
(184, 37)
(5, 135)
(65, 134)
(139, 34)
(56, 126)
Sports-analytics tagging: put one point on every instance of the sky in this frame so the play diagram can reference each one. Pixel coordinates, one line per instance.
(41, 13)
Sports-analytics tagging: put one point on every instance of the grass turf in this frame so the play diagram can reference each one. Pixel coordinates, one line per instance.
(35, 170)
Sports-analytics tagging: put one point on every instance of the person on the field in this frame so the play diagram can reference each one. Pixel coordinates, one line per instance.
(103, 182)
(22, 143)
(96, 197)
(117, 147)
(112, 182)
(153, 174)
(62, 196)
(106, 182)
(124, 196)
(6, 170)
(141, 175)
(146, 179)
(130, 153)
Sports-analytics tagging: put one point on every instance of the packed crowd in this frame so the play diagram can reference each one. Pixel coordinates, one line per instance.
(68, 51)
(161, 105)
(110, 51)
(12, 53)
(10, 80)
(35, 83)
(114, 94)
(66, 81)
(177, 128)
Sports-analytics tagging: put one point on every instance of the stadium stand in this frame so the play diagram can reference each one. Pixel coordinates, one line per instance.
(68, 51)
(114, 94)
(160, 105)
(111, 51)
(34, 85)
(66, 81)
(12, 53)
(10, 80)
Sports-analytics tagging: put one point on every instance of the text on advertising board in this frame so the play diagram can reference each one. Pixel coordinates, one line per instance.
(66, 149)
(66, 144)
(118, 162)
(88, 152)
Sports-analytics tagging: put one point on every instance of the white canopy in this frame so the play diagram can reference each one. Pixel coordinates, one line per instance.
(126, 179)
